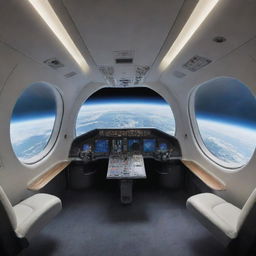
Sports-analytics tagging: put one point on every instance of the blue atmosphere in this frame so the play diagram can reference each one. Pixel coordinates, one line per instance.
(229, 121)
(110, 101)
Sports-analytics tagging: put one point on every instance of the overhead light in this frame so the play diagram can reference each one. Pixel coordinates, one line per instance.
(199, 14)
(219, 39)
(47, 13)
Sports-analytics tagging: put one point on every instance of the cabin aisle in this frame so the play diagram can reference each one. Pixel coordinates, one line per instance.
(94, 223)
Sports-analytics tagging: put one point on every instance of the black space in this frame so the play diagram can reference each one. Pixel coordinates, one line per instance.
(125, 93)
(36, 101)
(226, 99)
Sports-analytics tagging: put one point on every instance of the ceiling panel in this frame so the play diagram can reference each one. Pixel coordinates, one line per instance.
(232, 19)
(23, 29)
(112, 25)
(109, 26)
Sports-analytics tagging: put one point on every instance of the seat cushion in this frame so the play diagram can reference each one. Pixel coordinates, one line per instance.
(34, 213)
(216, 214)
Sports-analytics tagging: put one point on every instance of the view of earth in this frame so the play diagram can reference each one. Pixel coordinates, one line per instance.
(230, 143)
(127, 115)
(32, 121)
(30, 137)
(225, 110)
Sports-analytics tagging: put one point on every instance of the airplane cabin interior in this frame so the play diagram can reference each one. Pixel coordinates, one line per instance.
(127, 127)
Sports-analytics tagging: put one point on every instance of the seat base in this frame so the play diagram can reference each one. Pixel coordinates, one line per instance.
(216, 214)
(34, 213)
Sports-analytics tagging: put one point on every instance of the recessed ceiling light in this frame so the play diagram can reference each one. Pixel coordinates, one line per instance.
(219, 39)
(47, 13)
(199, 14)
(54, 63)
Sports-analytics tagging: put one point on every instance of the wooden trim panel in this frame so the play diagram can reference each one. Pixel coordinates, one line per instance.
(204, 176)
(46, 177)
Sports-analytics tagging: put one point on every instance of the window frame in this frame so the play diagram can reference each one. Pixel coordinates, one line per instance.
(55, 129)
(229, 167)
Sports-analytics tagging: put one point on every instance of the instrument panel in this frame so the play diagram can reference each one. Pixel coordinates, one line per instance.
(101, 143)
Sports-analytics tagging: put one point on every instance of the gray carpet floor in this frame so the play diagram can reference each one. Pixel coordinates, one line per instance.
(94, 223)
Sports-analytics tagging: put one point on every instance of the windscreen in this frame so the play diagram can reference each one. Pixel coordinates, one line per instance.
(125, 108)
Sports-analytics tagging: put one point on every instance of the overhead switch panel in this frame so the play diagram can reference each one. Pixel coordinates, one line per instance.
(196, 63)
(140, 74)
(108, 73)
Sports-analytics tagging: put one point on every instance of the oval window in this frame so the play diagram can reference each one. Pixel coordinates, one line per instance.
(125, 108)
(32, 122)
(225, 112)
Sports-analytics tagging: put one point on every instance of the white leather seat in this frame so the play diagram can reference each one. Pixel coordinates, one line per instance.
(31, 215)
(216, 214)
(222, 218)
(34, 213)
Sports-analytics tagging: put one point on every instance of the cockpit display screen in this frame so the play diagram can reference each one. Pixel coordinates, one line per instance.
(163, 147)
(101, 146)
(133, 145)
(86, 147)
(149, 145)
(117, 146)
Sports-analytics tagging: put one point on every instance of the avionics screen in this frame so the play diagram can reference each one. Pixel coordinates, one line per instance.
(86, 147)
(163, 147)
(149, 145)
(101, 146)
(117, 146)
(133, 145)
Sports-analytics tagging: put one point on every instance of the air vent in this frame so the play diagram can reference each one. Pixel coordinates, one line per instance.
(54, 63)
(140, 73)
(124, 61)
(178, 74)
(70, 74)
(196, 63)
(108, 73)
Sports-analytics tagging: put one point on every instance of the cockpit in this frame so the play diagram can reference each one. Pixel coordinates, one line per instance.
(125, 150)
(127, 127)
